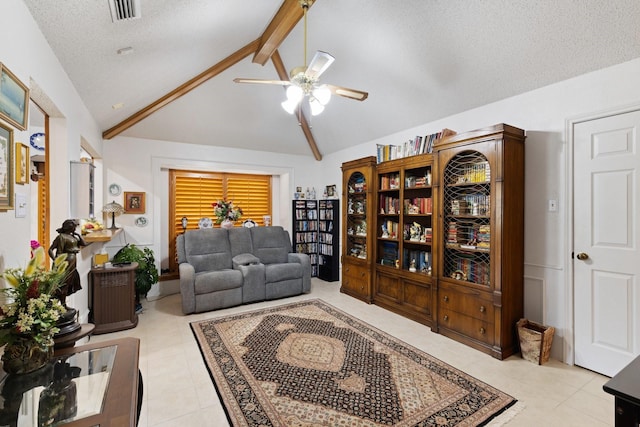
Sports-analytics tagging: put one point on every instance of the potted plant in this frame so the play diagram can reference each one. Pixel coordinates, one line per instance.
(30, 312)
(146, 272)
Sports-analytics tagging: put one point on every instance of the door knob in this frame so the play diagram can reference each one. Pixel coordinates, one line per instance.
(582, 256)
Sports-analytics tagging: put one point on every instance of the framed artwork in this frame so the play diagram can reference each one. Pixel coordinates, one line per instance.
(22, 163)
(14, 99)
(133, 202)
(331, 191)
(6, 167)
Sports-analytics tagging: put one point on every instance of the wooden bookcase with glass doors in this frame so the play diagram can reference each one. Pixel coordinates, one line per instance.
(357, 237)
(481, 261)
(444, 237)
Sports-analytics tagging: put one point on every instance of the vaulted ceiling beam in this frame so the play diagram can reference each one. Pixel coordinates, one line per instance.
(302, 120)
(183, 89)
(289, 14)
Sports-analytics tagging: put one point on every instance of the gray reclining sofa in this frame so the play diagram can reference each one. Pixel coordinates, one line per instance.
(222, 268)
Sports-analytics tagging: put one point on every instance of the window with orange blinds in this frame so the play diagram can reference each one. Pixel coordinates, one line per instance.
(192, 194)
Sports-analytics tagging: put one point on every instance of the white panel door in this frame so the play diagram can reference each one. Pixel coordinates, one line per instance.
(606, 242)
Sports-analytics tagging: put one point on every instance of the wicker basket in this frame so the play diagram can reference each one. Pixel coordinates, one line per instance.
(535, 341)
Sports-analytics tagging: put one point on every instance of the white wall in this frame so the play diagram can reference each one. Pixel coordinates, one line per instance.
(28, 55)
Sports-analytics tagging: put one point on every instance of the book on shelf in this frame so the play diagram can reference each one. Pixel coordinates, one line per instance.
(413, 147)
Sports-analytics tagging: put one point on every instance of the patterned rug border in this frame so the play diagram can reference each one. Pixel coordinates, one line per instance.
(383, 337)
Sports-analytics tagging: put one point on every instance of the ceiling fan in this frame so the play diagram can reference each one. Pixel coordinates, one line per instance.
(304, 80)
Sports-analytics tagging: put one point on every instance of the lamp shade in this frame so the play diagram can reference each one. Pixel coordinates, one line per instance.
(114, 209)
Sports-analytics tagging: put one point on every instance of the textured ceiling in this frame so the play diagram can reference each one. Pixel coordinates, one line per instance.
(420, 60)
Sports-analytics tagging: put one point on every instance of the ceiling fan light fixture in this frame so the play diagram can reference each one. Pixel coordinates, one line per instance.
(322, 93)
(316, 106)
(295, 93)
(289, 106)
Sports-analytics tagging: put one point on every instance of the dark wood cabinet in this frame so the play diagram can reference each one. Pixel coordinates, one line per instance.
(481, 235)
(112, 298)
(357, 237)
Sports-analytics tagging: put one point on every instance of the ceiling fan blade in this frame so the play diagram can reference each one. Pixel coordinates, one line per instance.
(261, 81)
(358, 95)
(319, 64)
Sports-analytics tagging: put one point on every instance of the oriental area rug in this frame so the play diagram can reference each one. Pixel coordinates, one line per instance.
(309, 364)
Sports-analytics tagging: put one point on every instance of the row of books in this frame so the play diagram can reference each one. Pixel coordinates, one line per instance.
(326, 214)
(389, 205)
(326, 227)
(325, 238)
(306, 237)
(390, 181)
(389, 255)
(477, 172)
(326, 250)
(306, 225)
(307, 248)
(472, 270)
(472, 204)
(306, 204)
(306, 214)
(412, 147)
(474, 236)
(418, 205)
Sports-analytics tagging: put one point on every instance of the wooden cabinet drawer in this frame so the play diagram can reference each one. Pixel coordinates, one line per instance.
(355, 278)
(467, 325)
(467, 301)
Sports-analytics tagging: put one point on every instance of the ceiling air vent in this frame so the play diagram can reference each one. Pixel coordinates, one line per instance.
(122, 10)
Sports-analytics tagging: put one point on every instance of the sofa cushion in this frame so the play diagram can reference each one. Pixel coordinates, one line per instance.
(271, 244)
(240, 241)
(280, 272)
(212, 281)
(208, 249)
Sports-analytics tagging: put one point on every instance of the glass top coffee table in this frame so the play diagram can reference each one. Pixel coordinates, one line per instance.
(85, 385)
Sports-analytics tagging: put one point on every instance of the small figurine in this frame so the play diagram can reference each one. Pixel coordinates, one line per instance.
(385, 231)
(412, 266)
(415, 231)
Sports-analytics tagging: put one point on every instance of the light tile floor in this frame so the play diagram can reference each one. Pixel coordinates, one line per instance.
(178, 390)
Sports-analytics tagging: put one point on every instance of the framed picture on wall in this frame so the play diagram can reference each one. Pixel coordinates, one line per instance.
(133, 202)
(22, 163)
(14, 99)
(6, 167)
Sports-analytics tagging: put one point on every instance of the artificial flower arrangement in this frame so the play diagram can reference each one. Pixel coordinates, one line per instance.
(224, 210)
(30, 309)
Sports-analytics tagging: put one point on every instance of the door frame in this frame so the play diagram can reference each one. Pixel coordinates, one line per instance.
(570, 123)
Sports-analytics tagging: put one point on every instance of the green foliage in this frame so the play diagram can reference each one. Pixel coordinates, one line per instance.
(146, 273)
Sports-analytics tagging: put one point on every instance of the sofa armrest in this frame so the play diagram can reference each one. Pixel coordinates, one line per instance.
(306, 269)
(187, 287)
(244, 259)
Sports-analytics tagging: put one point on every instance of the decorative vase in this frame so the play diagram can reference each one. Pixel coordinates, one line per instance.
(227, 223)
(24, 355)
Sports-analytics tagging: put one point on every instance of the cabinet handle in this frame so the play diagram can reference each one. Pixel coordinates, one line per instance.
(483, 309)
(446, 298)
(446, 318)
(362, 274)
(482, 331)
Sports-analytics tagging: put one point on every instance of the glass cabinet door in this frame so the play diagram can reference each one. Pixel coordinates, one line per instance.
(467, 218)
(356, 244)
